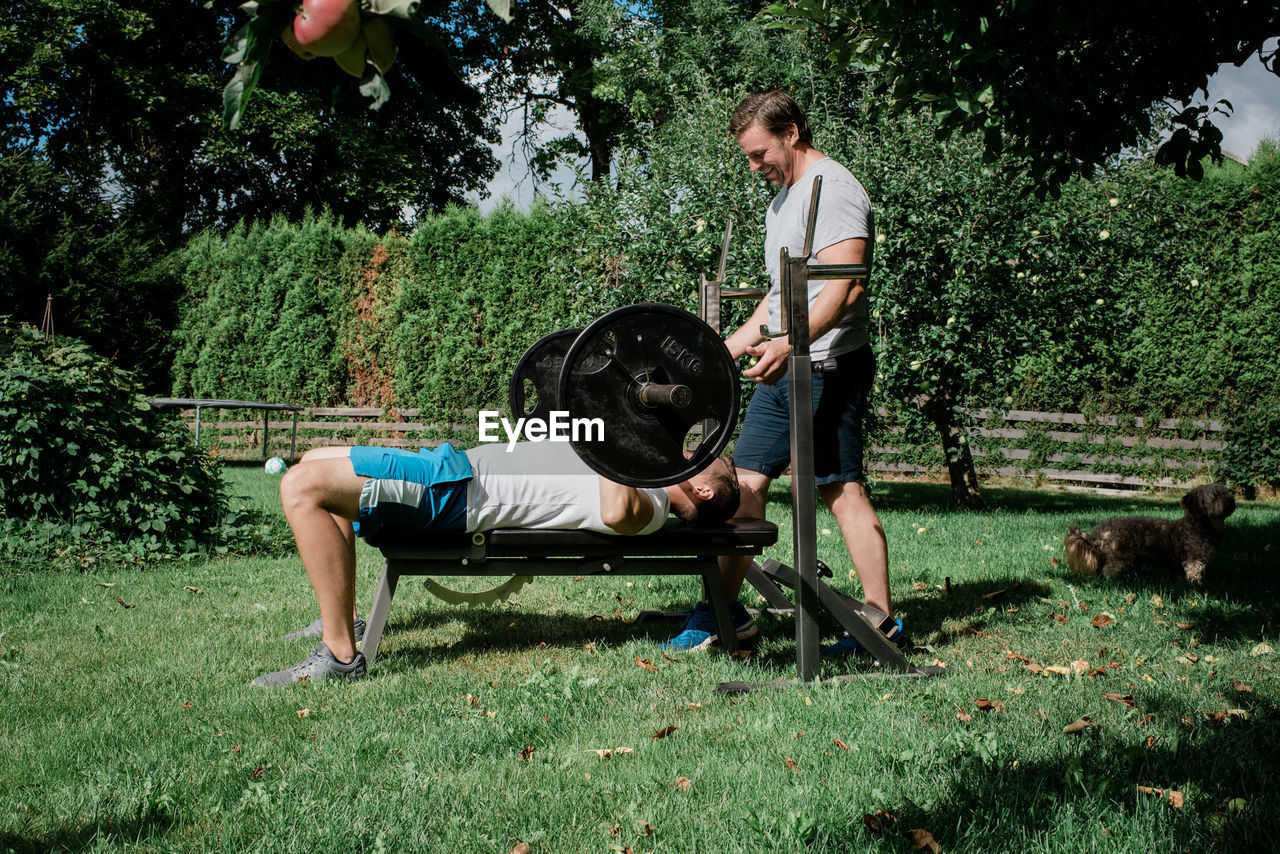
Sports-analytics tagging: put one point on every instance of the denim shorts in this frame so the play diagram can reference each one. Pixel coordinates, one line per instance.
(411, 493)
(839, 404)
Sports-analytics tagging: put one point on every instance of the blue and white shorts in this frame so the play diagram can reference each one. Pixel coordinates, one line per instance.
(411, 493)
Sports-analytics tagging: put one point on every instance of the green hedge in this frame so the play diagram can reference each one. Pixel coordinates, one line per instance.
(1172, 313)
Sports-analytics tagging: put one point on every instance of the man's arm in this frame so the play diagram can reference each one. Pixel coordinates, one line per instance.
(834, 301)
(624, 509)
(749, 333)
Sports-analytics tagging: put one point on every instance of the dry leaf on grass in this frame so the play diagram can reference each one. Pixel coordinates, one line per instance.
(878, 822)
(1157, 600)
(922, 839)
(521, 848)
(1189, 624)
(1172, 796)
(665, 731)
(645, 664)
(302, 713)
(682, 783)
(987, 705)
(195, 590)
(127, 605)
(615, 751)
(1103, 620)
(1126, 699)
(963, 716)
(1078, 725)
(840, 743)
(1260, 649)
(791, 763)
(1240, 686)
(646, 829)
(526, 753)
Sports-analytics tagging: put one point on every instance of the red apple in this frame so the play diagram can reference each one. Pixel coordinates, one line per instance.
(327, 27)
(292, 42)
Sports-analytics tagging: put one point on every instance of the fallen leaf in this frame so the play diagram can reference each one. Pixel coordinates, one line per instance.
(1174, 797)
(1058, 669)
(1080, 666)
(964, 717)
(472, 699)
(987, 706)
(669, 658)
(195, 590)
(878, 822)
(1035, 668)
(1084, 606)
(645, 664)
(521, 848)
(618, 751)
(646, 829)
(1078, 725)
(302, 713)
(995, 594)
(1156, 600)
(791, 763)
(615, 830)
(682, 783)
(1260, 649)
(1126, 699)
(799, 736)
(590, 646)
(695, 705)
(127, 605)
(1103, 620)
(106, 584)
(257, 772)
(1189, 624)
(1130, 598)
(665, 731)
(1014, 656)
(526, 753)
(921, 839)
(1240, 686)
(919, 586)
(839, 742)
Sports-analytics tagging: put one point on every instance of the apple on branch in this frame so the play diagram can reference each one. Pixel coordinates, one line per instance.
(323, 28)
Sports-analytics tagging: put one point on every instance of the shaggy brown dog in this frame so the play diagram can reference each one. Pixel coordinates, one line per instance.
(1186, 544)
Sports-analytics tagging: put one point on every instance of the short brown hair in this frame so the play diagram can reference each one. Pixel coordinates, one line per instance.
(774, 111)
(722, 505)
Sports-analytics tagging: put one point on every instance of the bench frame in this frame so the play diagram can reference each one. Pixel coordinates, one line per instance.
(677, 549)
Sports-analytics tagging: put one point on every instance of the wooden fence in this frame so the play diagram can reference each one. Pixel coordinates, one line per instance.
(1070, 450)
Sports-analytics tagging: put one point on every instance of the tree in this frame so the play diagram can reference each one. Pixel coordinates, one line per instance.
(125, 97)
(1059, 88)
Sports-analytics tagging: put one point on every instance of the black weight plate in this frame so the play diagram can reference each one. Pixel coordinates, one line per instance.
(645, 446)
(540, 366)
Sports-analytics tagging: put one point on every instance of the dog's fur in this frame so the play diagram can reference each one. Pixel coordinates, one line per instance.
(1187, 543)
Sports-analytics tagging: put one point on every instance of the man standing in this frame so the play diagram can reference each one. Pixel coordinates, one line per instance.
(774, 135)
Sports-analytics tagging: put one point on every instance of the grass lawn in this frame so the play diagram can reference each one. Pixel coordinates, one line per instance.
(127, 718)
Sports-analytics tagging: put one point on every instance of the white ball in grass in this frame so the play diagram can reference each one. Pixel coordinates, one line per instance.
(275, 465)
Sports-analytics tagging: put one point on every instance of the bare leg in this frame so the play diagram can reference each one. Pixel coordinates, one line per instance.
(321, 496)
(863, 537)
(754, 489)
(328, 453)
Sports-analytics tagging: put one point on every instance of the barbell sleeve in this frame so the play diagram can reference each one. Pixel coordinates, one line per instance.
(664, 394)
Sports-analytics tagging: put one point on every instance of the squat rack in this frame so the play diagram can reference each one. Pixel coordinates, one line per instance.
(811, 593)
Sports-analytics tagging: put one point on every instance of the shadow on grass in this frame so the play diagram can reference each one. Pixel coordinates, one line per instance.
(78, 834)
(988, 804)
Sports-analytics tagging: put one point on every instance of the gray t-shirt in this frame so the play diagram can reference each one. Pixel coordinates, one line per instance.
(541, 485)
(844, 211)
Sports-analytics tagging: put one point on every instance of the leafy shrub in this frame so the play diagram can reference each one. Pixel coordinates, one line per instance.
(86, 463)
(1252, 456)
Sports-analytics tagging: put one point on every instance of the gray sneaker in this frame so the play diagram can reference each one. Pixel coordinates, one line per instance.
(314, 632)
(317, 667)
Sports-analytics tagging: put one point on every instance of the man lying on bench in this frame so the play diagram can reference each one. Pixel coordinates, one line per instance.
(402, 494)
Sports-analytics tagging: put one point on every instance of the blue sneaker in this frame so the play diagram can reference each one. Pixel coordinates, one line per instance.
(846, 645)
(699, 629)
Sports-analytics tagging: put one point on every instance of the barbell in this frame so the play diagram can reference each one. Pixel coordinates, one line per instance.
(651, 373)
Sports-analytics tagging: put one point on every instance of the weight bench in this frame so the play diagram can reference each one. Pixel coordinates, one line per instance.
(676, 549)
